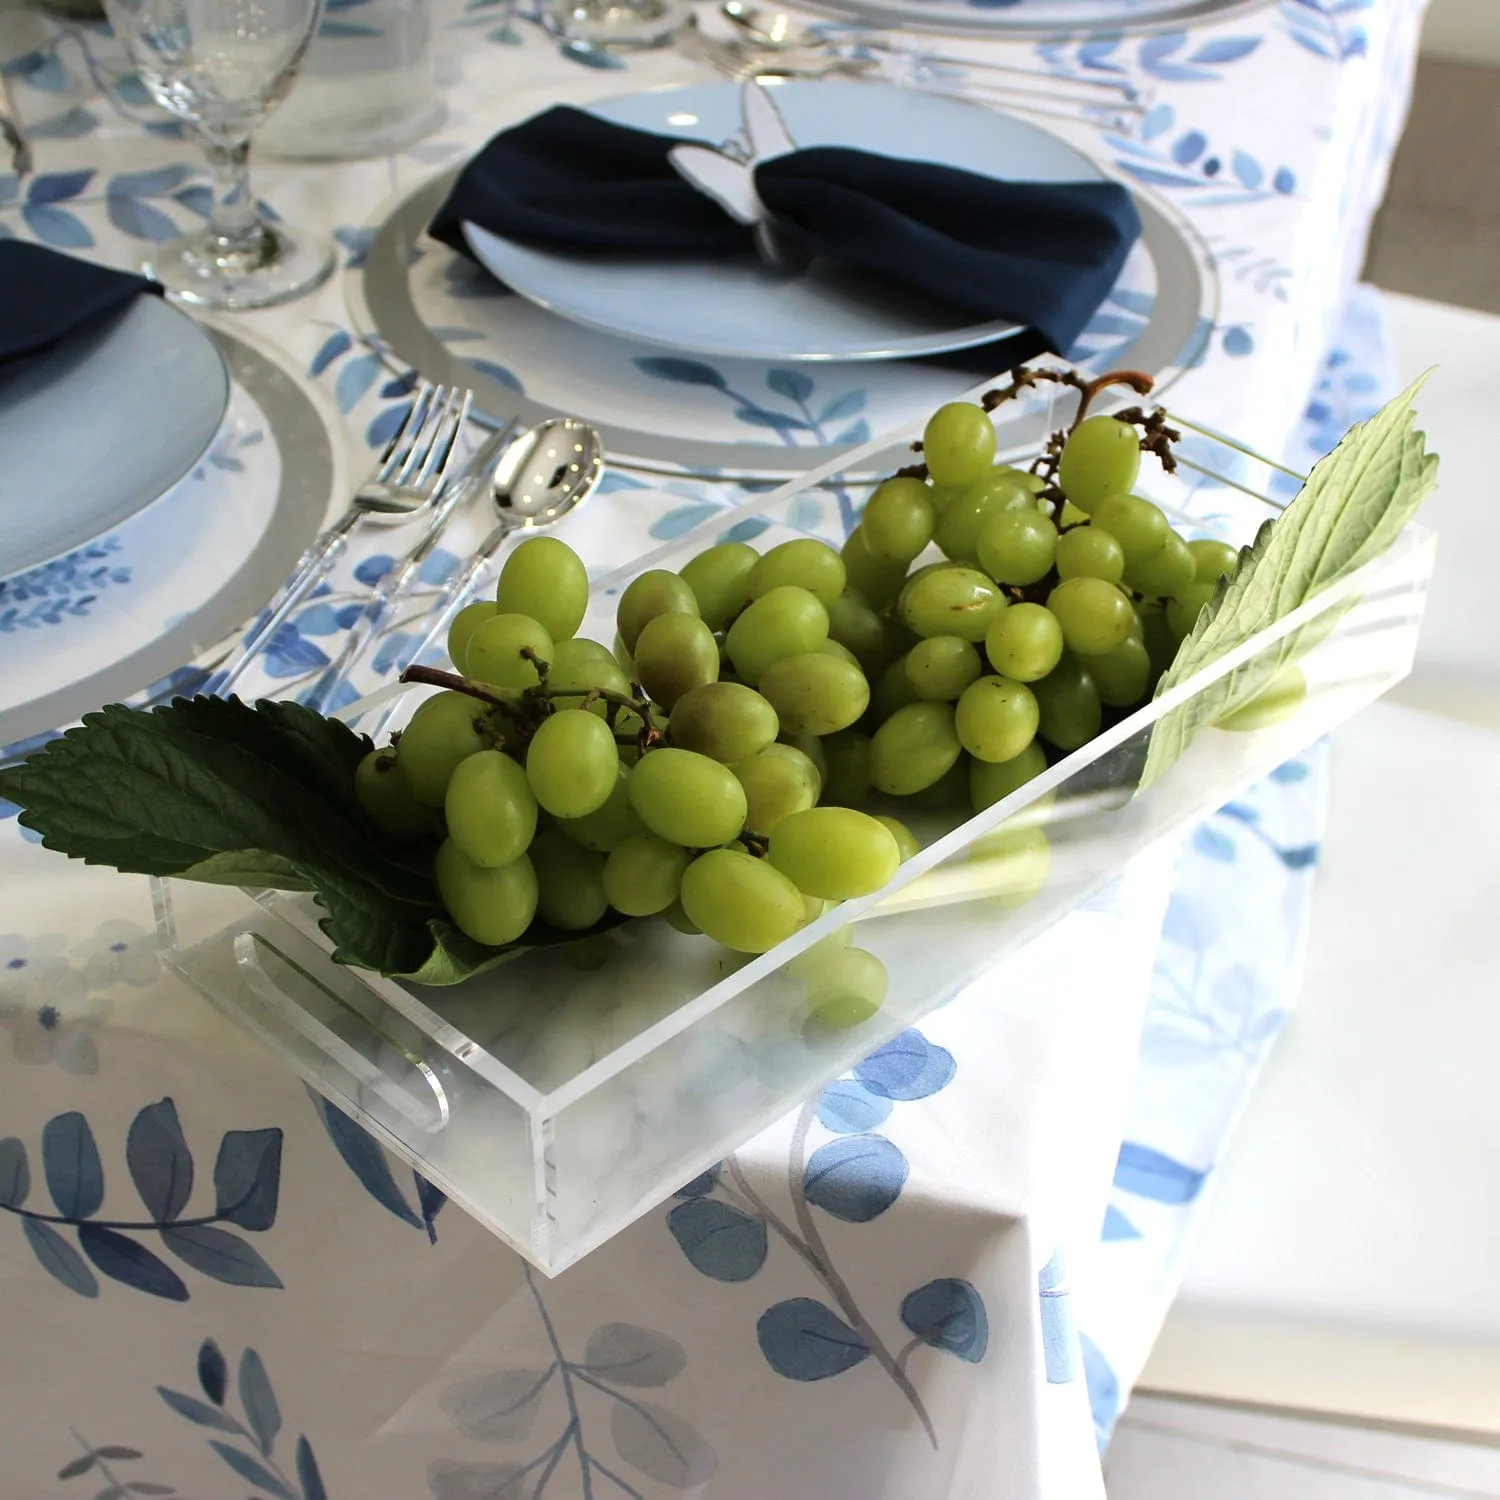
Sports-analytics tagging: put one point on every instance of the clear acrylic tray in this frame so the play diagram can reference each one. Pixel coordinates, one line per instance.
(558, 1103)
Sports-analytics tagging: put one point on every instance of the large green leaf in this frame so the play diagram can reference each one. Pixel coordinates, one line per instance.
(1353, 506)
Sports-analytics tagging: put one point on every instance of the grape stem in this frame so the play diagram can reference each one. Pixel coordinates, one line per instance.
(437, 677)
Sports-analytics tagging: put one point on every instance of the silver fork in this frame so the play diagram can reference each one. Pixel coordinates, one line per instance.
(405, 483)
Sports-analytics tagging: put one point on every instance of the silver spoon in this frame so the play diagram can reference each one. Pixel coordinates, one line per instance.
(546, 474)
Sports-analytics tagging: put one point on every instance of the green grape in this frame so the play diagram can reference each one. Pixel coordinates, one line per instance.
(812, 747)
(577, 666)
(787, 621)
(1012, 864)
(1165, 572)
(446, 729)
(654, 593)
(1158, 636)
(907, 843)
(674, 654)
(687, 798)
(779, 781)
(1025, 643)
(572, 764)
(1068, 705)
(942, 666)
(609, 825)
(622, 658)
(832, 648)
(966, 517)
(958, 444)
(815, 693)
(569, 881)
(742, 902)
(1137, 525)
(725, 721)
(1033, 483)
(1095, 616)
(951, 789)
(1101, 458)
(1183, 610)
(893, 691)
(857, 628)
(1088, 552)
(846, 782)
(834, 852)
(914, 747)
(847, 989)
(586, 954)
(809, 963)
(898, 520)
(720, 580)
(804, 564)
(387, 800)
(878, 582)
(1274, 704)
(489, 809)
(545, 579)
(494, 651)
(677, 918)
(1213, 560)
(491, 906)
(989, 781)
(1018, 546)
(643, 875)
(465, 623)
(1123, 676)
(996, 718)
(916, 576)
(953, 601)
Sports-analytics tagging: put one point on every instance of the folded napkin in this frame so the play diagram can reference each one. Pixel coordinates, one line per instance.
(1040, 254)
(46, 297)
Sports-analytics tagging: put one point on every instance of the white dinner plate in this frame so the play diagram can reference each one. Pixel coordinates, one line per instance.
(735, 308)
(1036, 18)
(98, 429)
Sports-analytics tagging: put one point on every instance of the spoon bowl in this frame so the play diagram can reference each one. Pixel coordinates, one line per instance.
(546, 473)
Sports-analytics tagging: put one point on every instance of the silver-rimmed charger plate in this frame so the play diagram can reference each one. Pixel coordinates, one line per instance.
(1028, 19)
(174, 585)
(427, 308)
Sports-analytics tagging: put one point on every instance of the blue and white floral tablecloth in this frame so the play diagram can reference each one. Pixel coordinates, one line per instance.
(214, 1285)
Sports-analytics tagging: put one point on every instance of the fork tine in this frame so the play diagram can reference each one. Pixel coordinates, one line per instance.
(435, 470)
(398, 450)
(422, 444)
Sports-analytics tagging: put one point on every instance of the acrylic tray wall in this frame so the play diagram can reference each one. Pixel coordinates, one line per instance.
(558, 1104)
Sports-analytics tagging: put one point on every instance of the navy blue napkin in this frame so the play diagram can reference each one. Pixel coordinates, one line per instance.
(46, 297)
(1044, 255)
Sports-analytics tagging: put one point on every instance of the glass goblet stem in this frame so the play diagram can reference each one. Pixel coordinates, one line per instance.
(235, 220)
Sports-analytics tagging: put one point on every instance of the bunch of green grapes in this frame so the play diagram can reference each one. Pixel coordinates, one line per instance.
(747, 752)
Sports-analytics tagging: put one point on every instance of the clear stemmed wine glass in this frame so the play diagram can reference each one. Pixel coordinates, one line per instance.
(223, 66)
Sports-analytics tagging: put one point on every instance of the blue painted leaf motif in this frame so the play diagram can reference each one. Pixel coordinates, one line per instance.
(1093, 54)
(128, 1261)
(793, 384)
(624, 1354)
(1187, 148)
(1214, 845)
(250, 1468)
(1247, 169)
(804, 1340)
(1159, 119)
(1238, 342)
(847, 1107)
(57, 187)
(197, 1411)
(499, 1406)
(1118, 1227)
(908, 1067)
(683, 371)
(948, 1314)
(71, 125)
(320, 619)
(1155, 48)
(307, 1472)
(217, 1253)
(430, 1201)
(1285, 180)
(155, 182)
(805, 513)
(676, 523)
(247, 1177)
(580, 52)
(15, 1173)
(337, 344)
(78, 1466)
(354, 379)
(855, 1178)
(363, 1156)
(1302, 858)
(70, 1160)
(56, 226)
(196, 198)
(661, 1445)
(259, 1400)
(701, 1185)
(213, 1372)
(458, 1479)
(59, 1259)
(1290, 773)
(856, 432)
(161, 1166)
(1149, 1174)
(744, 531)
(1225, 49)
(384, 425)
(756, 416)
(847, 405)
(507, 379)
(718, 1239)
(140, 220)
(373, 568)
(1103, 1387)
